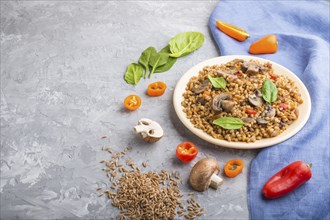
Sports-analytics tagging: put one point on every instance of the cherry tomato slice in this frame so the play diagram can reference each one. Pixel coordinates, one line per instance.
(156, 89)
(132, 102)
(250, 111)
(186, 151)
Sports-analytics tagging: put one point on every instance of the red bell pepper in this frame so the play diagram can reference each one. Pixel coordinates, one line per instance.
(287, 180)
(283, 106)
(250, 111)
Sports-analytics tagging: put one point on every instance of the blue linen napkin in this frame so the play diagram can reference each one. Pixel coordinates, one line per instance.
(302, 30)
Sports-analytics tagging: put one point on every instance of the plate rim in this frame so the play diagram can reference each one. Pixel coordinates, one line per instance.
(239, 145)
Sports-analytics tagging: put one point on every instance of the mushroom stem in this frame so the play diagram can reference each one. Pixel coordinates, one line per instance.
(141, 128)
(216, 181)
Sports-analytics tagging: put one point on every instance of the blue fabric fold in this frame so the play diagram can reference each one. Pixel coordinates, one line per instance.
(302, 29)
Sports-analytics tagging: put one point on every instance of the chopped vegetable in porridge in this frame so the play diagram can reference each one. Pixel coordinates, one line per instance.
(241, 101)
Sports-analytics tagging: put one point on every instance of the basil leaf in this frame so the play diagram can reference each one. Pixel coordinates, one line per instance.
(156, 60)
(217, 82)
(185, 43)
(269, 91)
(145, 57)
(170, 61)
(133, 73)
(229, 123)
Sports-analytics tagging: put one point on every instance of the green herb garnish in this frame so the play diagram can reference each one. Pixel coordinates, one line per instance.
(170, 62)
(157, 62)
(269, 91)
(185, 43)
(133, 73)
(229, 122)
(217, 82)
(145, 58)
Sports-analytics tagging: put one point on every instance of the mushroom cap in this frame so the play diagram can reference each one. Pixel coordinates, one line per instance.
(200, 175)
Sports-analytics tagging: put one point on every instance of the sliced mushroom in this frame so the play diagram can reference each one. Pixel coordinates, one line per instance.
(201, 100)
(222, 102)
(227, 105)
(262, 121)
(269, 112)
(204, 85)
(227, 74)
(247, 120)
(150, 131)
(253, 69)
(244, 66)
(217, 101)
(262, 70)
(204, 174)
(255, 99)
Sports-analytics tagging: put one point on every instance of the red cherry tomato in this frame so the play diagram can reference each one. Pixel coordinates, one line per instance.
(186, 151)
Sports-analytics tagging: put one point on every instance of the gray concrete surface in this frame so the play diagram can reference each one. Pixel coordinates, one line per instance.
(62, 88)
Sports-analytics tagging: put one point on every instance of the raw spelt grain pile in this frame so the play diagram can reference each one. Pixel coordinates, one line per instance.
(145, 195)
(241, 84)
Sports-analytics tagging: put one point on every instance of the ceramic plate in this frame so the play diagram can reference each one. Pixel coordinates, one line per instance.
(304, 108)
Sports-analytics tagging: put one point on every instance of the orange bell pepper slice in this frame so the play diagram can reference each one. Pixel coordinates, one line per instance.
(156, 89)
(232, 31)
(132, 102)
(233, 167)
(265, 45)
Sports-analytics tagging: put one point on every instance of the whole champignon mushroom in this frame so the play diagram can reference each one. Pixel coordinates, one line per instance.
(149, 130)
(204, 174)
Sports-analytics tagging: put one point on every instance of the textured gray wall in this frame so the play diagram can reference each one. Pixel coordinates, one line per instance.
(62, 87)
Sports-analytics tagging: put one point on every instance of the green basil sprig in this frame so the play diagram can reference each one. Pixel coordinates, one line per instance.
(229, 122)
(217, 82)
(133, 73)
(269, 91)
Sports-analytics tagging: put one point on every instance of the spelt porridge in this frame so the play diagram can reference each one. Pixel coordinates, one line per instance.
(249, 91)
